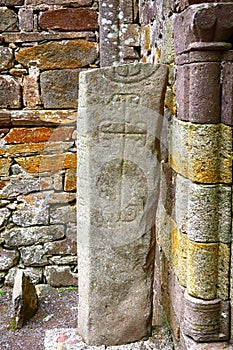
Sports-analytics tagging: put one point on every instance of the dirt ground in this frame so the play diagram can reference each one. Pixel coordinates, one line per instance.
(57, 309)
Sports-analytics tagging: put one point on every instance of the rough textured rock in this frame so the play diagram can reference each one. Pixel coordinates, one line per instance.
(32, 235)
(59, 2)
(6, 58)
(59, 88)
(119, 119)
(4, 166)
(31, 95)
(62, 214)
(70, 180)
(42, 117)
(54, 55)
(11, 2)
(201, 153)
(34, 255)
(8, 20)
(26, 19)
(69, 19)
(8, 258)
(34, 273)
(9, 92)
(25, 300)
(27, 215)
(58, 276)
(227, 100)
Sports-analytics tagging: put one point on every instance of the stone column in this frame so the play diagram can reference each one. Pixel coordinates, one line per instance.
(119, 124)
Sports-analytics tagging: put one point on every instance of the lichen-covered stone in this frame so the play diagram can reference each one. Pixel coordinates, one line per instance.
(26, 19)
(58, 276)
(8, 258)
(59, 2)
(179, 256)
(6, 58)
(34, 255)
(31, 94)
(4, 215)
(10, 96)
(4, 166)
(34, 273)
(31, 235)
(37, 164)
(59, 88)
(11, 2)
(69, 19)
(43, 117)
(70, 180)
(27, 215)
(8, 20)
(62, 214)
(59, 55)
(202, 153)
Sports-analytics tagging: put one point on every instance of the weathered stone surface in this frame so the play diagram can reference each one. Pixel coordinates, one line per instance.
(204, 27)
(9, 92)
(29, 135)
(27, 215)
(201, 153)
(60, 2)
(31, 94)
(227, 88)
(48, 197)
(34, 255)
(118, 33)
(34, 273)
(179, 256)
(59, 88)
(62, 214)
(8, 20)
(35, 164)
(203, 268)
(11, 2)
(5, 118)
(26, 19)
(8, 258)
(36, 148)
(52, 55)
(198, 92)
(185, 3)
(4, 215)
(69, 19)
(119, 119)
(58, 276)
(206, 320)
(13, 37)
(4, 166)
(64, 260)
(203, 211)
(43, 117)
(6, 58)
(70, 180)
(32, 235)
(25, 300)
(22, 184)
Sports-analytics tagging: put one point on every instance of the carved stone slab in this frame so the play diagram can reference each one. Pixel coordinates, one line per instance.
(119, 123)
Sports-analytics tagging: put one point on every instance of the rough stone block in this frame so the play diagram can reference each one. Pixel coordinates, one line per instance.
(8, 258)
(206, 277)
(201, 152)
(59, 55)
(227, 96)
(185, 3)
(58, 276)
(8, 20)
(206, 320)
(179, 256)
(42, 117)
(198, 92)
(25, 300)
(10, 96)
(27, 215)
(11, 2)
(203, 211)
(6, 58)
(5, 164)
(35, 255)
(5, 118)
(38, 164)
(31, 94)
(214, 34)
(69, 19)
(34, 273)
(26, 19)
(32, 235)
(62, 94)
(120, 114)
(64, 214)
(70, 180)
(34, 135)
(59, 2)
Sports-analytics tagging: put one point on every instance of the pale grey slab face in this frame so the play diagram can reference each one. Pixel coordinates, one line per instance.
(119, 126)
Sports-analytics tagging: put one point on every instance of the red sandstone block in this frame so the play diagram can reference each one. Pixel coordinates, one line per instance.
(198, 92)
(227, 93)
(204, 27)
(69, 19)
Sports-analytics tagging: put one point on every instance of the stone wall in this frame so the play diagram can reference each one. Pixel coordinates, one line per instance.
(44, 44)
(193, 256)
